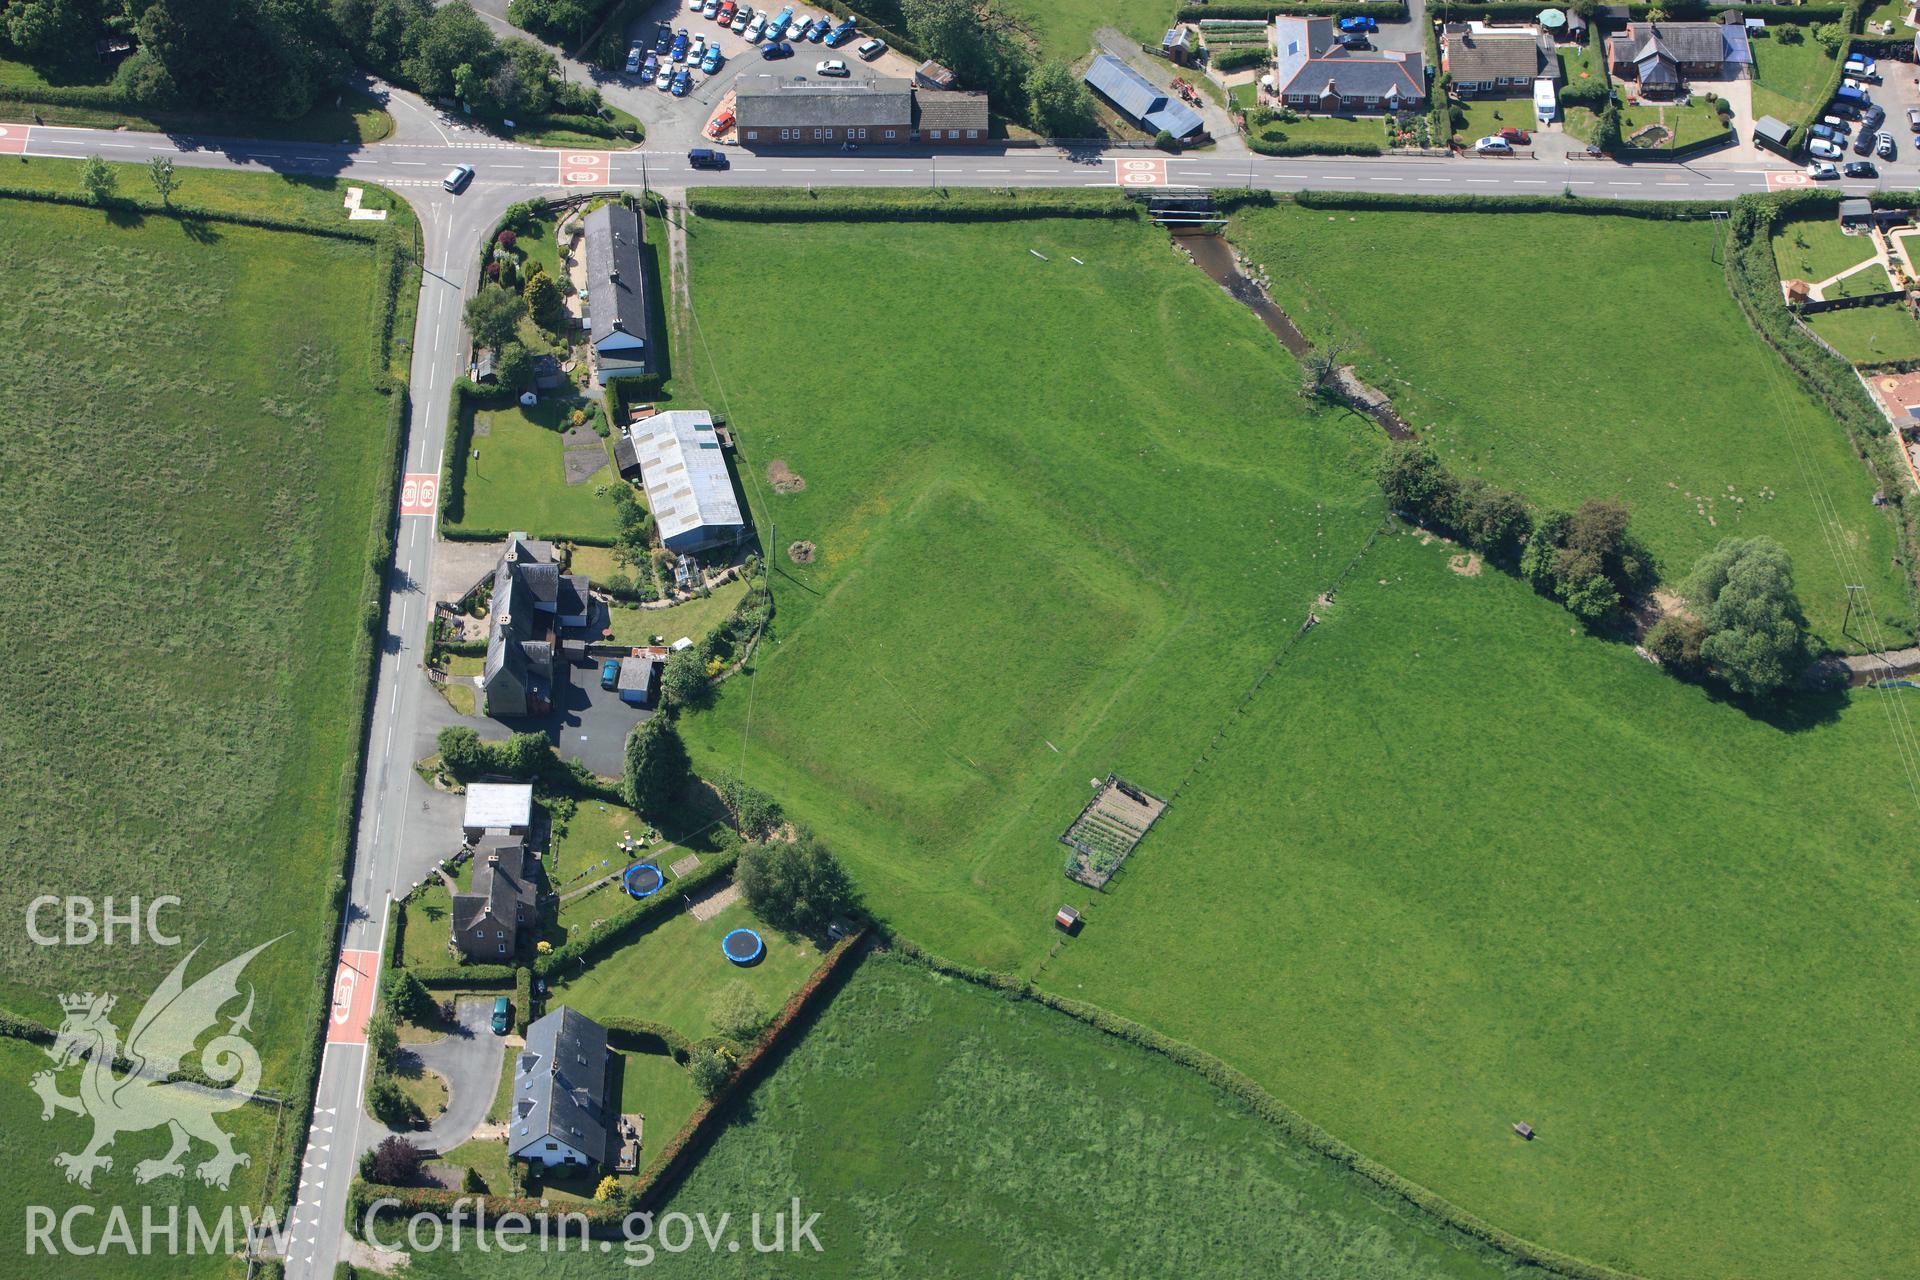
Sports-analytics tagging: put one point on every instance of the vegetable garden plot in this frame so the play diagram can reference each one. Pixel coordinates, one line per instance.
(1114, 821)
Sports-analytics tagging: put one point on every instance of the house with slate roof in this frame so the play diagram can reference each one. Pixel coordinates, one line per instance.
(1495, 62)
(1664, 56)
(559, 1111)
(1314, 72)
(532, 600)
(775, 111)
(488, 921)
(619, 293)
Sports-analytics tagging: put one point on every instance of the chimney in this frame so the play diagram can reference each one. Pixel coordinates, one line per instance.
(493, 859)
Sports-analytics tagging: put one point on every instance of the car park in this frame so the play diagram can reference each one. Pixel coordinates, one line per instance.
(1821, 171)
(1824, 131)
(634, 56)
(777, 25)
(663, 40)
(1861, 169)
(1493, 146)
(711, 62)
(707, 158)
(459, 179)
(1822, 149)
(682, 82)
(871, 50)
(698, 49)
(1883, 146)
(1855, 96)
(831, 67)
(1845, 110)
(776, 49)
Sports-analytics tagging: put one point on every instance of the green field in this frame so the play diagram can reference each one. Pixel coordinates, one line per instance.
(1064, 30)
(1021, 582)
(1502, 872)
(1787, 78)
(519, 480)
(692, 620)
(201, 742)
(672, 973)
(945, 1132)
(1662, 396)
(1870, 335)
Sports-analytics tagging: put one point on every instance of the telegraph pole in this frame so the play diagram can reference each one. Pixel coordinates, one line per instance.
(1848, 616)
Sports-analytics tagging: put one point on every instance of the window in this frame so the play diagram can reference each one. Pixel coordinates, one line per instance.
(503, 948)
(553, 1146)
(972, 134)
(819, 133)
(860, 133)
(753, 135)
(889, 135)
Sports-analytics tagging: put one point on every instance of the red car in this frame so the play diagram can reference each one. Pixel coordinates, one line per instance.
(727, 10)
(1519, 137)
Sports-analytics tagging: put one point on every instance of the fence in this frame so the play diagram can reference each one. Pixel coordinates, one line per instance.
(1814, 306)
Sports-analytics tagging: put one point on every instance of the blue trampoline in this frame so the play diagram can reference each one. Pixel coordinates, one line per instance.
(743, 946)
(643, 880)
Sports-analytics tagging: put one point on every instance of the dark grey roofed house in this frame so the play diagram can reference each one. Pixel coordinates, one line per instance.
(1483, 60)
(531, 600)
(1315, 72)
(950, 116)
(619, 292)
(558, 1115)
(772, 110)
(487, 921)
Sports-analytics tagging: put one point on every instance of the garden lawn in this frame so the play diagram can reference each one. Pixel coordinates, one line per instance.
(672, 973)
(1873, 279)
(203, 744)
(1487, 116)
(1813, 249)
(1460, 865)
(1073, 550)
(1064, 29)
(1687, 125)
(940, 1130)
(1870, 335)
(693, 620)
(661, 1090)
(1787, 78)
(1321, 129)
(519, 481)
(1580, 384)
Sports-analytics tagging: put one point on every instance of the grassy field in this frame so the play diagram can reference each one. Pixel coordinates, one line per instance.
(1870, 335)
(945, 1132)
(1640, 407)
(1813, 249)
(1030, 581)
(1064, 30)
(202, 742)
(357, 116)
(1787, 77)
(519, 480)
(1583, 895)
(672, 973)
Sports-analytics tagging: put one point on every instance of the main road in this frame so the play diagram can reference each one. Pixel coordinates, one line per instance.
(385, 860)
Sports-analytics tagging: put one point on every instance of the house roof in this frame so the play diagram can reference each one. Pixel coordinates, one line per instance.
(1476, 57)
(1314, 62)
(617, 281)
(637, 673)
(1140, 98)
(560, 1086)
(571, 600)
(772, 102)
(499, 805)
(1690, 42)
(935, 75)
(940, 109)
(500, 887)
(684, 472)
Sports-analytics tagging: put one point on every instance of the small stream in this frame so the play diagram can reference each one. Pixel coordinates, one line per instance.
(1213, 254)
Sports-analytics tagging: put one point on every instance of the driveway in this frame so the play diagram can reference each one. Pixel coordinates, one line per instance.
(587, 723)
(470, 1059)
(1405, 37)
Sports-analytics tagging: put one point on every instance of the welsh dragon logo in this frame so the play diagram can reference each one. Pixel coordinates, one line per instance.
(126, 1089)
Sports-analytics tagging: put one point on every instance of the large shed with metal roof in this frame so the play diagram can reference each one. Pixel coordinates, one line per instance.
(683, 469)
(1142, 101)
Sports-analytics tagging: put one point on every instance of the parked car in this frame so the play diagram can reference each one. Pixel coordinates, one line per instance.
(725, 16)
(1354, 40)
(459, 179)
(1845, 110)
(818, 31)
(664, 80)
(1519, 137)
(831, 67)
(776, 49)
(1837, 124)
(650, 68)
(711, 8)
(698, 49)
(1821, 171)
(756, 28)
(1824, 150)
(1872, 117)
(1855, 96)
(741, 19)
(1883, 146)
(1860, 169)
(1913, 119)
(610, 673)
(1861, 60)
(841, 34)
(1493, 145)
(680, 43)
(682, 83)
(777, 25)
(711, 62)
(1359, 24)
(1827, 132)
(695, 6)
(634, 55)
(871, 50)
(721, 123)
(502, 1016)
(1863, 145)
(707, 158)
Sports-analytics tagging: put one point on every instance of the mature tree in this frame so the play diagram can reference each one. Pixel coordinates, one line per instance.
(543, 299)
(1058, 102)
(1490, 519)
(1412, 477)
(684, 683)
(461, 751)
(391, 1106)
(513, 366)
(1676, 641)
(451, 37)
(493, 314)
(737, 1011)
(272, 57)
(1755, 633)
(395, 1161)
(408, 998)
(799, 886)
(524, 755)
(160, 173)
(657, 767)
(710, 1070)
(46, 29)
(98, 178)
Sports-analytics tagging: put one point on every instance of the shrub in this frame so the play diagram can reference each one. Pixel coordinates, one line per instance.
(684, 682)
(799, 886)
(98, 178)
(461, 751)
(737, 1012)
(383, 1040)
(1675, 640)
(507, 238)
(755, 813)
(514, 368)
(609, 1188)
(710, 1070)
(407, 997)
(395, 1162)
(470, 1181)
(392, 1107)
(656, 766)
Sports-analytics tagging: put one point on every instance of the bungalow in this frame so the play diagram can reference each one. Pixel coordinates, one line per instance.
(487, 922)
(1495, 62)
(531, 599)
(1140, 100)
(559, 1115)
(1313, 71)
(950, 117)
(1663, 56)
(619, 294)
(775, 111)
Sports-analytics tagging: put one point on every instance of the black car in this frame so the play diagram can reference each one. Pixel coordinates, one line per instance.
(706, 158)
(1874, 117)
(1863, 145)
(1861, 169)
(1845, 110)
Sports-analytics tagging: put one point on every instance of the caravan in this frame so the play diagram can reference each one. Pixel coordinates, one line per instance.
(1546, 103)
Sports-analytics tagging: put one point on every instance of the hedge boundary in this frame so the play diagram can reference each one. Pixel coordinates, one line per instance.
(1391, 202)
(1264, 1104)
(1309, 148)
(1379, 10)
(858, 204)
(644, 912)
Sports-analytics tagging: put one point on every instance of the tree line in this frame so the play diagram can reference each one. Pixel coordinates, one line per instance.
(1742, 625)
(989, 50)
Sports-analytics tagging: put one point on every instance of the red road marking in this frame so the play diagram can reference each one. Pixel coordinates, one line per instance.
(1140, 173)
(13, 139)
(1778, 181)
(352, 997)
(583, 168)
(419, 493)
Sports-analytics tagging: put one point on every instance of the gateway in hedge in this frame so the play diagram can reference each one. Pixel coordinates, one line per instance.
(1313, 71)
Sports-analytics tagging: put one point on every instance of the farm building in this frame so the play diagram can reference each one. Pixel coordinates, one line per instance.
(497, 806)
(684, 472)
(559, 1110)
(619, 293)
(1313, 71)
(1140, 100)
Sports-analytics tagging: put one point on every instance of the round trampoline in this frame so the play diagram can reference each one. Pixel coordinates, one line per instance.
(644, 880)
(743, 946)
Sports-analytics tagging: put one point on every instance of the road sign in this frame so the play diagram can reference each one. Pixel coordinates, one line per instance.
(353, 984)
(583, 168)
(1142, 172)
(13, 139)
(1777, 181)
(419, 493)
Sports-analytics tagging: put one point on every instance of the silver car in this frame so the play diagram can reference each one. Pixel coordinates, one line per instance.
(741, 18)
